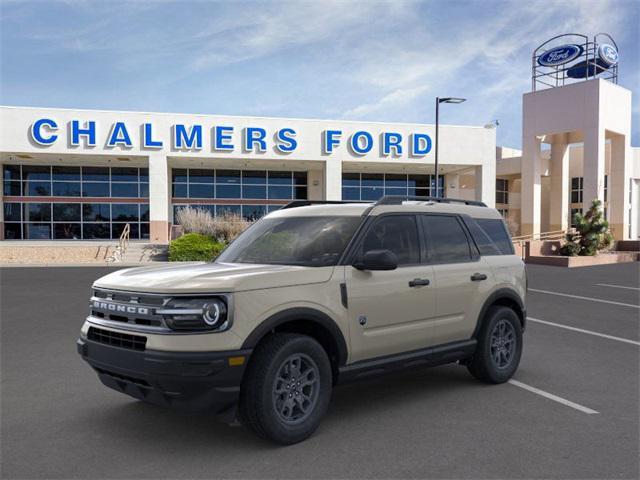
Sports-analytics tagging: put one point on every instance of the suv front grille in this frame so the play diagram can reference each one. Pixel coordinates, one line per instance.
(117, 339)
(129, 308)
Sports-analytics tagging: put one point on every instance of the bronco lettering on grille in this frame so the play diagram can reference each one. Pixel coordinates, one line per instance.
(116, 307)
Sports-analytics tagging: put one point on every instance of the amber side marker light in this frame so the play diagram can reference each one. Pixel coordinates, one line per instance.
(236, 361)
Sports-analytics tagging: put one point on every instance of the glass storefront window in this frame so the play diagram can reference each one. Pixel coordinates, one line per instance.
(124, 212)
(95, 174)
(373, 186)
(95, 189)
(66, 212)
(96, 212)
(225, 184)
(66, 189)
(37, 231)
(124, 190)
(47, 220)
(197, 190)
(66, 173)
(69, 231)
(12, 212)
(36, 172)
(37, 189)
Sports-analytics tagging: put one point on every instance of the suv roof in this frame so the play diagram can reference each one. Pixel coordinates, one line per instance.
(387, 204)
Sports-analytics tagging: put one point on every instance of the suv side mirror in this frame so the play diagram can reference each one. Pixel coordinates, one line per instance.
(377, 260)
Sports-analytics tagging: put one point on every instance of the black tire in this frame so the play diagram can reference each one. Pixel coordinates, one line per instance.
(272, 415)
(494, 364)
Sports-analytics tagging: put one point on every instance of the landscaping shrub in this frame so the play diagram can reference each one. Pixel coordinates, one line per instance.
(223, 228)
(193, 247)
(591, 235)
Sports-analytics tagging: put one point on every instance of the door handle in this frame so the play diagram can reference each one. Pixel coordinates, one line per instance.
(419, 282)
(478, 277)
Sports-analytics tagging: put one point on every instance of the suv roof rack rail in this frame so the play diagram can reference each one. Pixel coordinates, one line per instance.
(398, 199)
(306, 203)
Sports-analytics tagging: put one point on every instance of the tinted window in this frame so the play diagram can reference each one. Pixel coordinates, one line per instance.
(447, 240)
(99, 174)
(36, 172)
(497, 232)
(66, 189)
(66, 212)
(397, 233)
(483, 241)
(66, 173)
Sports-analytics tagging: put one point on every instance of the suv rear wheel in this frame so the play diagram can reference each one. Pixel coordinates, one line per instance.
(286, 389)
(499, 346)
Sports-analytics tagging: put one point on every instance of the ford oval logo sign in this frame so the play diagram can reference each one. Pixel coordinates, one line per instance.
(608, 54)
(560, 55)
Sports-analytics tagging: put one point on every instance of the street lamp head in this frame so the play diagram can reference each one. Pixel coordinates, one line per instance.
(451, 100)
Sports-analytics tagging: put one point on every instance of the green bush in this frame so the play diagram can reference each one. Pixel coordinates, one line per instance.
(194, 247)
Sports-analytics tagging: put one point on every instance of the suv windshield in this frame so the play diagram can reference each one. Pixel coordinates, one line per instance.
(306, 241)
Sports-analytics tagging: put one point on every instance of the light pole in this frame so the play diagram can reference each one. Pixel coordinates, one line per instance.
(438, 102)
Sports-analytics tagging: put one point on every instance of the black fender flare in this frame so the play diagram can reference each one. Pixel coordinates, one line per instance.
(500, 294)
(299, 313)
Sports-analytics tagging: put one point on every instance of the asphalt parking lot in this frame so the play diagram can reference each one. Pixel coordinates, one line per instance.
(572, 411)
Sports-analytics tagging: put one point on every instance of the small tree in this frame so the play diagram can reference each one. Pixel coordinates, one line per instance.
(591, 235)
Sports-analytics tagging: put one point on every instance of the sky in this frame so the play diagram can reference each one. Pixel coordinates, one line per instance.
(344, 60)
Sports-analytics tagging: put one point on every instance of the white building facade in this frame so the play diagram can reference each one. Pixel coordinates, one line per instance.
(85, 174)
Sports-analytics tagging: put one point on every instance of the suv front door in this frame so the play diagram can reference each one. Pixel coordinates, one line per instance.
(462, 278)
(390, 311)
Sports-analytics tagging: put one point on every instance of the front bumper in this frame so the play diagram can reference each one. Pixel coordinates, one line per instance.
(191, 380)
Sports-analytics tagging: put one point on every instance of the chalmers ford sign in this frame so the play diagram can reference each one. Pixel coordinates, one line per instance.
(222, 138)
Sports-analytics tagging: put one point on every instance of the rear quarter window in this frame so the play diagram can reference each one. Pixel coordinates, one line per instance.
(496, 232)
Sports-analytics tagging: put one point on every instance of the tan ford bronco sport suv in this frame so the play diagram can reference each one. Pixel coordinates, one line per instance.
(310, 296)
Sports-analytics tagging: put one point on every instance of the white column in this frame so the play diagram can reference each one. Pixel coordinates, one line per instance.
(159, 198)
(559, 205)
(618, 187)
(332, 179)
(452, 185)
(485, 185)
(593, 167)
(315, 181)
(531, 186)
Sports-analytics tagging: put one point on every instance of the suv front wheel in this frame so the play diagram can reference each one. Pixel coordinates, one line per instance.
(287, 388)
(499, 346)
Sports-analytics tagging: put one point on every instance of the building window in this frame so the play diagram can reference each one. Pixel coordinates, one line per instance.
(74, 221)
(63, 181)
(502, 190)
(606, 187)
(504, 212)
(576, 190)
(573, 212)
(373, 186)
(205, 188)
(64, 213)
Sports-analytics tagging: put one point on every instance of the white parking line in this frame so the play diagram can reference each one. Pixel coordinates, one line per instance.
(553, 397)
(589, 332)
(616, 286)
(585, 298)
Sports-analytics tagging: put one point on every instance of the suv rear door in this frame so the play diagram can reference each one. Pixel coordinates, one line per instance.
(390, 311)
(462, 278)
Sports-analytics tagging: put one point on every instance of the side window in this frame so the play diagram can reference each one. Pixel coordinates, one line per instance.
(398, 233)
(447, 241)
(483, 241)
(496, 230)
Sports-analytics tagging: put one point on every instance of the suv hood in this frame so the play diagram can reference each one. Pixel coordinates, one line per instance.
(211, 277)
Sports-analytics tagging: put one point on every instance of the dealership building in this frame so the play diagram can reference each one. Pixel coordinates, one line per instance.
(82, 174)
(86, 174)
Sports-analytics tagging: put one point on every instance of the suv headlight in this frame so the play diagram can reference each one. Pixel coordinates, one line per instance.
(197, 314)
